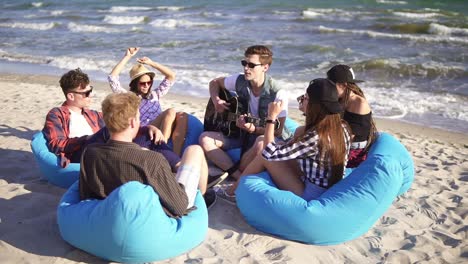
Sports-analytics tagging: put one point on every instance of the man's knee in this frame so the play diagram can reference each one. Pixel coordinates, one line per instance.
(207, 140)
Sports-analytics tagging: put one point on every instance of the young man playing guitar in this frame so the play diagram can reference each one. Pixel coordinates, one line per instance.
(255, 90)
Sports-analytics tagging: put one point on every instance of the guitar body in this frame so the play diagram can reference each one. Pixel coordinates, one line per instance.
(225, 122)
(220, 122)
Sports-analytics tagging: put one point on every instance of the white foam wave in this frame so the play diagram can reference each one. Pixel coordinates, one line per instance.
(124, 20)
(37, 4)
(57, 12)
(375, 34)
(417, 15)
(34, 26)
(333, 14)
(87, 64)
(122, 9)
(311, 14)
(438, 29)
(170, 8)
(23, 58)
(88, 28)
(174, 23)
(392, 2)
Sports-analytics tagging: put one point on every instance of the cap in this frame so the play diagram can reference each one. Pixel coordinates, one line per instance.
(342, 74)
(324, 91)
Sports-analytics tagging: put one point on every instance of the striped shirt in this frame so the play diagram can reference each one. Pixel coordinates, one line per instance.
(150, 106)
(107, 166)
(306, 151)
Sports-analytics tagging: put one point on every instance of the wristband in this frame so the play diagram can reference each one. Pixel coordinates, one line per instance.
(270, 121)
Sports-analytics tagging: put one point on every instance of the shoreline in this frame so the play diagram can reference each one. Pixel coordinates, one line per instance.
(383, 124)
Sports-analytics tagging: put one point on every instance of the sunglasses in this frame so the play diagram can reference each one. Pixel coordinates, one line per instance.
(85, 94)
(145, 83)
(250, 64)
(301, 99)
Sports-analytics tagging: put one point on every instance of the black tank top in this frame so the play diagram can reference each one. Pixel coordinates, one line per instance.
(360, 125)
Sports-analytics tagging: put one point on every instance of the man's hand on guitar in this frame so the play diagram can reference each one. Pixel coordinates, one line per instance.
(242, 124)
(220, 105)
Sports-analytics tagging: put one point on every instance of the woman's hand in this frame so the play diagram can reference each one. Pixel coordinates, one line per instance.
(145, 60)
(132, 51)
(274, 108)
(156, 135)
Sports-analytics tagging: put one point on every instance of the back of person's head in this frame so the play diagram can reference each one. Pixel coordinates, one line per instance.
(265, 54)
(324, 115)
(72, 79)
(117, 109)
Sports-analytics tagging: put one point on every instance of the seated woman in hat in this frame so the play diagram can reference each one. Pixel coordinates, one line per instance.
(315, 159)
(172, 124)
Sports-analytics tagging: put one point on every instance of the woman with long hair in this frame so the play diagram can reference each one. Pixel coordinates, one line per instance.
(357, 112)
(315, 159)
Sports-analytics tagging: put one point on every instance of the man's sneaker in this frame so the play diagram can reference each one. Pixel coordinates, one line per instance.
(210, 198)
(217, 179)
(225, 196)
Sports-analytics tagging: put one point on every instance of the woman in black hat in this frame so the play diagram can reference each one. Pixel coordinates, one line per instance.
(357, 112)
(315, 159)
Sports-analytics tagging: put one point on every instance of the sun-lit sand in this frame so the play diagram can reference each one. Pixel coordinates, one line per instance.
(425, 225)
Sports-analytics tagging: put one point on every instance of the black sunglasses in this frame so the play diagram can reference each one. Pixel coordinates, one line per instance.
(86, 94)
(300, 99)
(251, 65)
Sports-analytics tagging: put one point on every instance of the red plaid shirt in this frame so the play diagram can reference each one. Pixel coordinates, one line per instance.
(56, 130)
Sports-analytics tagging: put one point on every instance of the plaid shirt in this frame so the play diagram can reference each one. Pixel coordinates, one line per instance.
(307, 153)
(150, 107)
(57, 130)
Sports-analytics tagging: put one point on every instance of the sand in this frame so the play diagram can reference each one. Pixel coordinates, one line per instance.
(425, 225)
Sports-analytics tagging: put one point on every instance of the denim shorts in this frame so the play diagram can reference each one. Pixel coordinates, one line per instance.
(311, 191)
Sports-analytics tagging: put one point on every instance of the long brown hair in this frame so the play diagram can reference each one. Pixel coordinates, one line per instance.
(352, 87)
(332, 145)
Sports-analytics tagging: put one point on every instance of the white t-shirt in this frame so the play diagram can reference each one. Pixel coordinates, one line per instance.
(79, 126)
(230, 84)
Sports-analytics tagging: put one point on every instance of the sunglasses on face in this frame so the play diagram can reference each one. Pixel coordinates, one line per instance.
(85, 94)
(301, 99)
(145, 83)
(250, 64)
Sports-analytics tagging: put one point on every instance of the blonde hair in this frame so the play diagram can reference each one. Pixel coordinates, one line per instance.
(118, 108)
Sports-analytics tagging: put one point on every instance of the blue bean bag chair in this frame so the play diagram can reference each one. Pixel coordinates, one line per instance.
(344, 212)
(49, 163)
(129, 225)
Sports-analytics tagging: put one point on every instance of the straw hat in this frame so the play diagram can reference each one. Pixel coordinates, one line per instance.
(139, 70)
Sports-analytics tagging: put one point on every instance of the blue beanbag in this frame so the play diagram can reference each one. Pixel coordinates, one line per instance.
(129, 225)
(49, 163)
(344, 212)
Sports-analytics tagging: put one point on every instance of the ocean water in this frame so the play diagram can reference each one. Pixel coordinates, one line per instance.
(413, 55)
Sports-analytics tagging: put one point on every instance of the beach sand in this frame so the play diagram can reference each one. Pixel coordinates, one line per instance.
(428, 224)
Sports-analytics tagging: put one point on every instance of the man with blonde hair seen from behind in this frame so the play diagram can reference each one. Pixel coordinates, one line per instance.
(107, 166)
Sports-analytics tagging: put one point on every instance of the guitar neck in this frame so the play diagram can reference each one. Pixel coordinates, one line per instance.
(232, 117)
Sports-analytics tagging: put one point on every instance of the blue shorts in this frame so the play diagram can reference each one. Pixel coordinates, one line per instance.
(311, 191)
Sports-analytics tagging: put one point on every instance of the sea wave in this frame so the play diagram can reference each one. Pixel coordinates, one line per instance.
(392, 2)
(375, 34)
(33, 26)
(24, 58)
(74, 27)
(438, 29)
(124, 20)
(175, 23)
(414, 15)
(122, 9)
